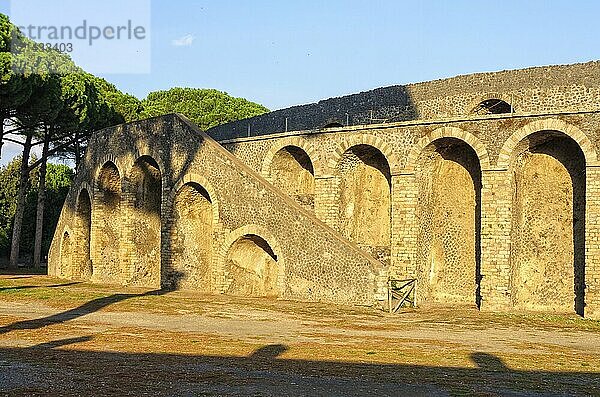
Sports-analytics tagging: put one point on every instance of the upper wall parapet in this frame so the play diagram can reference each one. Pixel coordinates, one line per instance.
(548, 89)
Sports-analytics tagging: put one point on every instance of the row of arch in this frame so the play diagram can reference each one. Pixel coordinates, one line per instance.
(119, 235)
(547, 227)
(546, 164)
(321, 168)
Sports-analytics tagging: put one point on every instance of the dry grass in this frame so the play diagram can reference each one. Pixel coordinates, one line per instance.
(116, 326)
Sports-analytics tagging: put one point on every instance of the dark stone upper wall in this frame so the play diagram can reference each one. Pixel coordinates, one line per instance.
(533, 90)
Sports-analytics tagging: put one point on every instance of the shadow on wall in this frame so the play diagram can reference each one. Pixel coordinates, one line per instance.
(264, 372)
(548, 259)
(381, 105)
(449, 245)
(172, 162)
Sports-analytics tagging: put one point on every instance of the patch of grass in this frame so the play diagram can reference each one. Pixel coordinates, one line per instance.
(548, 321)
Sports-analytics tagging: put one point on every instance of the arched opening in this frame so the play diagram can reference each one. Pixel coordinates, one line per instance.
(251, 268)
(107, 225)
(292, 172)
(82, 229)
(191, 239)
(66, 255)
(145, 191)
(449, 212)
(365, 200)
(548, 224)
(493, 106)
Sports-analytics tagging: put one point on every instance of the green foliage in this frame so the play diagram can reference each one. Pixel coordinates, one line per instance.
(5, 33)
(58, 182)
(128, 107)
(59, 178)
(49, 98)
(43, 87)
(205, 107)
(9, 185)
(14, 89)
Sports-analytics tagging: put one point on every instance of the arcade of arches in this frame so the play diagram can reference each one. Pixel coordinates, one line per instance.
(474, 227)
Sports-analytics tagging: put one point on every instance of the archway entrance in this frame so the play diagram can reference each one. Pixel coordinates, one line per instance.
(145, 189)
(251, 268)
(292, 172)
(365, 200)
(548, 224)
(191, 239)
(493, 106)
(449, 210)
(107, 225)
(83, 223)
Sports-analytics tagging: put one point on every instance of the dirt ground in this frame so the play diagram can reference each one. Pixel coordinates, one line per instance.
(63, 338)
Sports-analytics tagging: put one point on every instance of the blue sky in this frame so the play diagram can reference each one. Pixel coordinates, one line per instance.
(282, 53)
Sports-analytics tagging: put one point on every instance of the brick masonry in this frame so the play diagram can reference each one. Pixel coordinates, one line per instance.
(317, 262)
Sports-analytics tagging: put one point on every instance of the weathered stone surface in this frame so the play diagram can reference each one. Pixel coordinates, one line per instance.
(449, 179)
(534, 90)
(499, 210)
(174, 208)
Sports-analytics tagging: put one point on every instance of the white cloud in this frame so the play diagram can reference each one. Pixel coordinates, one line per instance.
(184, 41)
(11, 150)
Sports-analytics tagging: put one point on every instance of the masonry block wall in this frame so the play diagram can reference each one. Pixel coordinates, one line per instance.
(592, 242)
(302, 257)
(530, 175)
(496, 140)
(534, 90)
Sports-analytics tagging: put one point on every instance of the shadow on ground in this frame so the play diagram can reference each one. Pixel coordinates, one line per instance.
(36, 286)
(49, 369)
(71, 314)
(80, 311)
(60, 368)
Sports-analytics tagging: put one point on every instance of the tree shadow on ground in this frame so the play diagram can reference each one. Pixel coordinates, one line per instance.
(20, 287)
(22, 271)
(80, 311)
(266, 373)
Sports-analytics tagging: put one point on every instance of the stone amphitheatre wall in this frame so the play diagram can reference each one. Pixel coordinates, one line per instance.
(170, 207)
(501, 211)
(534, 90)
(498, 211)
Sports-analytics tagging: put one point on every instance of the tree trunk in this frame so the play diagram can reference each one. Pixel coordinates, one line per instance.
(2, 118)
(20, 210)
(77, 154)
(41, 203)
